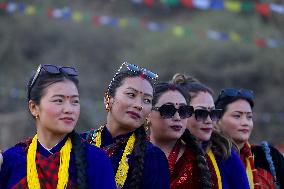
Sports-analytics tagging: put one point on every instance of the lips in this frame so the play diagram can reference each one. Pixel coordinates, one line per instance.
(206, 129)
(134, 114)
(176, 127)
(244, 130)
(67, 120)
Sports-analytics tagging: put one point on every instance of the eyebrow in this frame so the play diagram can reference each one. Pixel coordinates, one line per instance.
(63, 96)
(137, 91)
(241, 112)
(205, 108)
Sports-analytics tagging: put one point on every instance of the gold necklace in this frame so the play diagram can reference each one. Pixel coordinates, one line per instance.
(63, 174)
(121, 173)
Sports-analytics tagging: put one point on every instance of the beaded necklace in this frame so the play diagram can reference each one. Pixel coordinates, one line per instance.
(63, 174)
(121, 173)
(216, 168)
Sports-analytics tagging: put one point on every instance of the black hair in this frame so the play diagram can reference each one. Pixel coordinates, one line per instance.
(80, 159)
(138, 158)
(119, 77)
(163, 87)
(191, 143)
(222, 103)
(45, 79)
(36, 92)
(140, 133)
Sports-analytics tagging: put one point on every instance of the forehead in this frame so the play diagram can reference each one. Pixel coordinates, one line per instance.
(65, 87)
(203, 99)
(171, 97)
(240, 105)
(137, 83)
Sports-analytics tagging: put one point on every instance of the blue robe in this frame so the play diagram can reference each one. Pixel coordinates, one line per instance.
(156, 170)
(99, 171)
(233, 172)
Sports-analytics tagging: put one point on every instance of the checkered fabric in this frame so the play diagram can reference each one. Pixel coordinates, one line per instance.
(47, 168)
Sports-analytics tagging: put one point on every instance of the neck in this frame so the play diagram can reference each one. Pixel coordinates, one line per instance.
(165, 145)
(49, 140)
(240, 144)
(116, 128)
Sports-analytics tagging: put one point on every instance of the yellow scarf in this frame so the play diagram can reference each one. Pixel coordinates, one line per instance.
(216, 168)
(121, 173)
(63, 174)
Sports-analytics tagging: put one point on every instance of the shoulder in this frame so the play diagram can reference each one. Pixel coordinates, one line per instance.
(154, 151)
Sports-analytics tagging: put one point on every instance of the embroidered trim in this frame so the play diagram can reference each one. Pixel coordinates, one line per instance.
(216, 168)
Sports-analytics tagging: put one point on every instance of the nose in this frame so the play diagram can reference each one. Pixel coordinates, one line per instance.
(176, 116)
(244, 121)
(68, 108)
(138, 104)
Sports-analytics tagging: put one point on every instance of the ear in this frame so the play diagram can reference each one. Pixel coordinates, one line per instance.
(108, 101)
(34, 109)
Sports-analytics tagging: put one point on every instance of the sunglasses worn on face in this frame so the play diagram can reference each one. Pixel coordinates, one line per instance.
(52, 69)
(169, 110)
(231, 92)
(138, 69)
(202, 115)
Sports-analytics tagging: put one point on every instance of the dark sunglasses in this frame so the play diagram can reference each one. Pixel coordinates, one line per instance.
(202, 115)
(137, 69)
(169, 110)
(52, 69)
(231, 92)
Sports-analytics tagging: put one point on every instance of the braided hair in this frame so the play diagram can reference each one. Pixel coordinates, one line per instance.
(138, 158)
(36, 92)
(80, 159)
(141, 138)
(192, 144)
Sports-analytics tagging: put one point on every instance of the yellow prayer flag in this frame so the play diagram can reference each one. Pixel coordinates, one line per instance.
(77, 16)
(233, 6)
(178, 31)
(30, 10)
(235, 36)
(122, 22)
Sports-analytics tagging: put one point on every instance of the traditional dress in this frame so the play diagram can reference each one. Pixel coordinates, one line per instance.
(155, 172)
(258, 168)
(14, 169)
(228, 173)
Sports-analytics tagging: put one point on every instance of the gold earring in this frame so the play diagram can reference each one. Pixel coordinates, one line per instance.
(107, 99)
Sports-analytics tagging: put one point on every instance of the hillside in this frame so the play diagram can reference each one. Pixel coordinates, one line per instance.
(97, 36)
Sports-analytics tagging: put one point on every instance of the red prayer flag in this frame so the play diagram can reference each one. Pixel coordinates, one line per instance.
(3, 5)
(260, 42)
(187, 3)
(149, 2)
(263, 9)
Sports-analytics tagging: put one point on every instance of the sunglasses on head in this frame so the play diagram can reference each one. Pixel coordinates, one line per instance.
(169, 110)
(202, 115)
(137, 69)
(231, 92)
(54, 70)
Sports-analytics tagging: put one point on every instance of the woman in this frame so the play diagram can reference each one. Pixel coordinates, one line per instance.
(222, 167)
(136, 162)
(237, 122)
(167, 123)
(56, 157)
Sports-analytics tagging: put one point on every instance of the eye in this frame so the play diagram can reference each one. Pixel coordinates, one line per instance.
(147, 101)
(59, 100)
(249, 117)
(75, 101)
(131, 95)
(237, 116)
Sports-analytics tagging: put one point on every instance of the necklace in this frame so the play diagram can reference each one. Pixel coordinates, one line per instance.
(216, 168)
(121, 173)
(63, 174)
